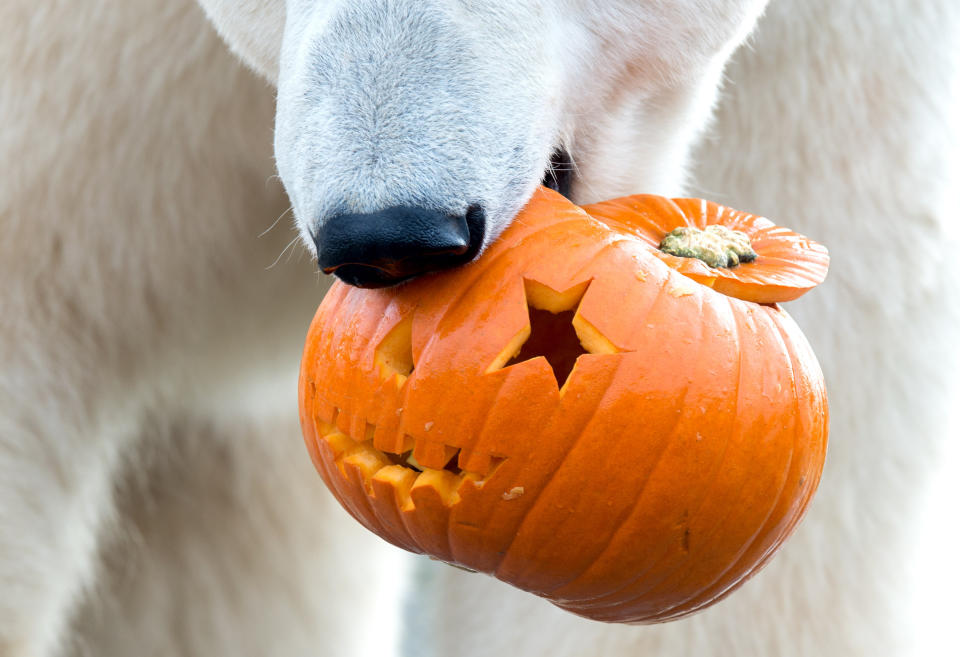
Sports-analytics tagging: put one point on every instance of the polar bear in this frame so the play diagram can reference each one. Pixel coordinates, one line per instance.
(154, 494)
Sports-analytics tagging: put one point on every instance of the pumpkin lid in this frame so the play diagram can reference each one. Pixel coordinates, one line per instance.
(782, 265)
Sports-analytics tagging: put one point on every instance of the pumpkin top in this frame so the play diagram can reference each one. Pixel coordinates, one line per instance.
(786, 264)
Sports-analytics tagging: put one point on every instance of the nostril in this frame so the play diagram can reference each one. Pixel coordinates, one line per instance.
(382, 248)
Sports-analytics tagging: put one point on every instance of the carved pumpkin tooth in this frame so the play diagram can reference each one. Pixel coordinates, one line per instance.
(342, 422)
(641, 430)
(479, 463)
(368, 461)
(339, 443)
(324, 428)
(325, 413)
(391, 493)
(422, 452)
(398, 443)
(432, 453)
(358, 427)
(399, 479)
(443, 482)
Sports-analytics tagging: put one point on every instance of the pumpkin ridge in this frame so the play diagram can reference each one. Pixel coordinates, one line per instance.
(553, 472)
(796, 363)
(494, 465)
(721, 459)
(629, 511)
(706, 594)
(772, 507)
(720, 463)
(611, 597)
(307, 389)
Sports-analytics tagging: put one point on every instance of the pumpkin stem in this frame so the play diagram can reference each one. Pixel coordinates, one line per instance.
(717, 245)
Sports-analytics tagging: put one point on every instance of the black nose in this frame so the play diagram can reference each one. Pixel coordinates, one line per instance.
(383, 248)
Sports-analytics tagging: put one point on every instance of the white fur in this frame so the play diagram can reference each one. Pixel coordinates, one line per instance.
(444, 104)
(153, 490)
(139, 316)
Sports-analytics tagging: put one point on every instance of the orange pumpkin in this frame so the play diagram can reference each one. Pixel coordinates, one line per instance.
(572, 415)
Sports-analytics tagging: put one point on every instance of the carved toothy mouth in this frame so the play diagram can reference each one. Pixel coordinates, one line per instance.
(404, 472)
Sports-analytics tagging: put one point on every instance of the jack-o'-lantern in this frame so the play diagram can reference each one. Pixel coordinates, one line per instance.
(577, 412)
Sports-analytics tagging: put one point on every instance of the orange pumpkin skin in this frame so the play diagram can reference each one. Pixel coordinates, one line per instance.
(677, 457)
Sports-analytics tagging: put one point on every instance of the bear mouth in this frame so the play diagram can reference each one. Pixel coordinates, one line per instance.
(560, 172)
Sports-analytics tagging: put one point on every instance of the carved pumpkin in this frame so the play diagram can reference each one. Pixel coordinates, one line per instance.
(572, 415)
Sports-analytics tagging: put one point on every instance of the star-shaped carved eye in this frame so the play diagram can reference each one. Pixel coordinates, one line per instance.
(556, 331)
(551, 336)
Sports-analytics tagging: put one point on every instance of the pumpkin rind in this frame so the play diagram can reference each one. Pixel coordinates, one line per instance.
(669, 467)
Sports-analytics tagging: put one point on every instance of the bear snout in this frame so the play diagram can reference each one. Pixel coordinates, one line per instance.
(379, 249)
